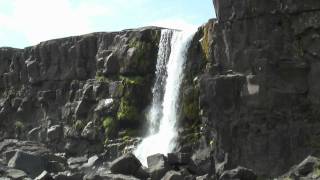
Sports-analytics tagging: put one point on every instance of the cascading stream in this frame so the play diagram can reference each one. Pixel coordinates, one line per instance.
(162, 117)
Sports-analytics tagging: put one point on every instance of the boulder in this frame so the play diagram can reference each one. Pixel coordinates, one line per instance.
(54, 133)
(115, 177)
(157, 166)
(107, 106)
(82, 108)
(67, 175)
(116, 89)
(307, 169)
(179, 158)
(32, 164)
(142, 173)
(92, 161)
(307, 166)
(44, 176)
(240, 173)
(15, 174)
(75, 162)
(127, 164)
(34, 134)
(173, 175)
(89, 131)
(76, 147)
(111, 65)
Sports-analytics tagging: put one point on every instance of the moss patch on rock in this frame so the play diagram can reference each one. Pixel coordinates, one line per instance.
(127, 111)
(190, 104)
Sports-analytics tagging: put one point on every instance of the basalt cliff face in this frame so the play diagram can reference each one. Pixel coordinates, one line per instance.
(250, 97)
(259, 96)
(76, 90)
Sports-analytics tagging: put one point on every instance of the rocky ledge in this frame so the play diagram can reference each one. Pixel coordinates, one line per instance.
(77, 93)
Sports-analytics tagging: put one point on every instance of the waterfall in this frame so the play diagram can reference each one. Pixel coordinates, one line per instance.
(162, 116)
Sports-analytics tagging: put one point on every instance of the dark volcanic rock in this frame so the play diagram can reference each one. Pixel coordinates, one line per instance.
(258, 88)
(127, 164)
(307, 169)
(179, 158)
(65, 82)
(239, 173)
(31, 164)
(173, 175)
(44, 176)
(157, 166)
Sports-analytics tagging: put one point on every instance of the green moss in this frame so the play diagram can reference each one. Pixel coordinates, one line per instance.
(298, 48)
(142, 51)
(107, 122)
(78, 125)
(101, 78)
(109, 125)
(316, 173)
(127, 111)
(205, 42)
(191, 110)
(132, 80)
(18, 125)
(190, 105)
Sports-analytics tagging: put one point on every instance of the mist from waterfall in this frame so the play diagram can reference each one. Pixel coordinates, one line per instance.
(162, 116)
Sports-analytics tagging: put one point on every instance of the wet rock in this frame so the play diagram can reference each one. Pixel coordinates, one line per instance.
(238, 173)
(116, 89)
(307, 166)
(127, 164)
(107, 106)
(173, 175)
(142, 173)
(179, 158)
(157, 166)
(31, 164)
(44, 176)
(34, 134)
(76, 147)
(89, 131)
(75, 162)
(82, 108)
(66, 175)
(92, 161)
(54, 133)
(117, 177)
(307, 169)
(111, 65)
(204, 177)
(15, 174)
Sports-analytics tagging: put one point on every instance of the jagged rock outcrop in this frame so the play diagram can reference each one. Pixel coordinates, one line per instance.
(257, 83)
(76, 93)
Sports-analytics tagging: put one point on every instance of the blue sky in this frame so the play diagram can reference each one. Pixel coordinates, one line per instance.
(28, 22)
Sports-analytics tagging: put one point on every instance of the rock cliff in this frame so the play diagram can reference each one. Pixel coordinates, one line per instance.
(258, 88)
(79, 90)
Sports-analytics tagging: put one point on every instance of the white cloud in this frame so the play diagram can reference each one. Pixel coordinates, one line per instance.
(175, 23)
(41, 20)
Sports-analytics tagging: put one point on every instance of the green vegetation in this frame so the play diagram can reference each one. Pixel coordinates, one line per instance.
(101, 78)
(132, 80)
(18, 125)
(127, 111)
(190, 105)
(107, 122)
(205, 42)
(78, 125)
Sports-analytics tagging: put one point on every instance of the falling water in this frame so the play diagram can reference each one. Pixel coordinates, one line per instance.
(155, 111)
(163, 113)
